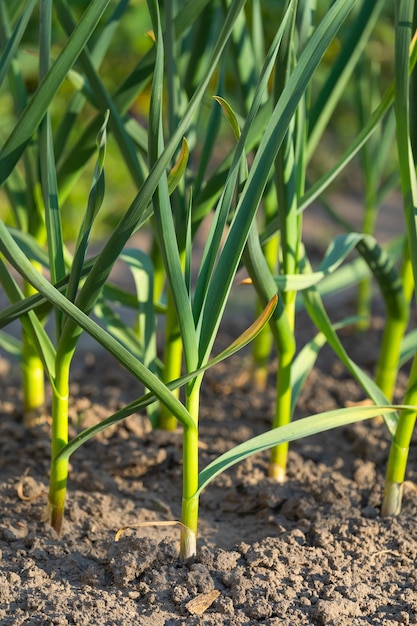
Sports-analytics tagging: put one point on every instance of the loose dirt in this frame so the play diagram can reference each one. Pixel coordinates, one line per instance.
(312, 551)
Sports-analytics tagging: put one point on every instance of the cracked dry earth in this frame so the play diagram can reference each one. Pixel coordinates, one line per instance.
(312, 551)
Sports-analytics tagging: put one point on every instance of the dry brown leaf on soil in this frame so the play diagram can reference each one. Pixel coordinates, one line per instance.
(200, 604)
(410, 485)
(20, 490)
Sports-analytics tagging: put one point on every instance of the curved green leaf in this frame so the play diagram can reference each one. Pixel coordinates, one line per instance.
(317, 313)
(377, 259)
(290, 432)
(352, 273)
(94, 203)
(302, 366)
(386, 275)
(352, 49)
(17, 259)
(269, 146)
(178, 171)
(230, 115)
(117, 328)
(15, 37)
(386, 103)
(337, 251)
(228, 187)
(30, 321)
(306, 359)
(37, 107)
(148, 398)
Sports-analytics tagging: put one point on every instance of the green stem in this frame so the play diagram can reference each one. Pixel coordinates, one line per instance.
(190, 502)
(261, 355)
(283, 405)
(407, 275)
(173, 352)
(33, 383)
(158, 271)
(387, 366)
(398, 456)
(289, 176)
(283, 414)
(282, 330)
(33, 375)
(406, 19)
(189, 517)
(363, 303)
(262, 344)
(59, 438)
(172, 361)
(394, 330)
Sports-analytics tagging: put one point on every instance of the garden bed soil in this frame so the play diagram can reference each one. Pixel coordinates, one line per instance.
(311, 551)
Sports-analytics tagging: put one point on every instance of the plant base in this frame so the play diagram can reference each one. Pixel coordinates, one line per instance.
(54, 516)
(188, 543)
(393, 496)
(277, 472)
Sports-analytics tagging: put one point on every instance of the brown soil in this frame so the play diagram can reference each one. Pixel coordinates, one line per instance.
(311, 551)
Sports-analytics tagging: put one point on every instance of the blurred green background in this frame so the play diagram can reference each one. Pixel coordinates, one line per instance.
(130, 43)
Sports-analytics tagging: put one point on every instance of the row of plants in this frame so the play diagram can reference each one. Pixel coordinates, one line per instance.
(236, 112)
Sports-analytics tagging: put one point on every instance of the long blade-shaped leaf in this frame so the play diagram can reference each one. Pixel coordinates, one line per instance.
(104, 99)
(117, 328)
(47, 163)
(30, 321)
(163, 213)
(352, 273)
(379, 263)
(148, 398)
(95, 200)
(17, 259)
(15, 38)
(258, 176)
(306, 358)
(290, 432)
(338, 250)
(408, 347)
(317, 313)
(98, 53)
(36, 109)
(142, 271)
(133, 216)
(365, 133)
(341, 71)
(215, 236)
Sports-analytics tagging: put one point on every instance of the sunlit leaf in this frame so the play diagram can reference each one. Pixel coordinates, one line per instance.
(296, 430)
